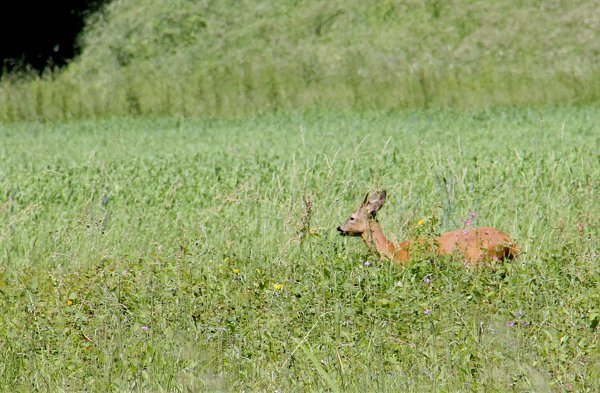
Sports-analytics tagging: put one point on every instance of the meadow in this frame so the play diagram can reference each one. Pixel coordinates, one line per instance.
(169, 199)
(198, 58)
(180, 253)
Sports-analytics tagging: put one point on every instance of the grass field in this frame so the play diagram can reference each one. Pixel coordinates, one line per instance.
(168, 201)
(192, 58)
(188, 254)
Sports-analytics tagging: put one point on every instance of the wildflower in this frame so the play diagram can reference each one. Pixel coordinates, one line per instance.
(471, 219)
(427, 311)
(278, 286)
(145, 328)
(512, 323)
(519, 313)
(525, 323)
(495, 258)
(367, 263)
(427, 279)
(236, 270)
(69, 302)
(421, 221)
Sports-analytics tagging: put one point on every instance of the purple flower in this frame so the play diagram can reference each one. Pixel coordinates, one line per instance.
(145, 328)
(512, 324)
(427, 311)
(525, 323)
(367, 263)
(427, 279)
(471, 219)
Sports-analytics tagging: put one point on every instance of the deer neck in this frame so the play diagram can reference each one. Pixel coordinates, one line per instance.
(376, 240)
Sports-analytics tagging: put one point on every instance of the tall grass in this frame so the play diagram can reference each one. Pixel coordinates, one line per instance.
(200, 254)
(190, 58)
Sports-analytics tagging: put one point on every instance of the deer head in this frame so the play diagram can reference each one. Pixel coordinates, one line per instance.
(358, 223)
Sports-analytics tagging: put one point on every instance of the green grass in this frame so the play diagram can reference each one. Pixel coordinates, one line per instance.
(166, 57)
(218, 235)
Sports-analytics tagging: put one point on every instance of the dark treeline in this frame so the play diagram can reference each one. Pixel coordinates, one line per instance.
(35, 35)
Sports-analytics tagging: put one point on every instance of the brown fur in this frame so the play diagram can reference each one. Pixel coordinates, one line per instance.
(475, 244)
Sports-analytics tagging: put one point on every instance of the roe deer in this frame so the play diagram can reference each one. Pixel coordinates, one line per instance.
(475, 244)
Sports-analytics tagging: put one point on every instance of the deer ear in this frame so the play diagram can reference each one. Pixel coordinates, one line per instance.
(366, 200)
(376, 201)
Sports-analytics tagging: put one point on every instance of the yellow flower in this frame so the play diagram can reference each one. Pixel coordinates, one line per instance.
(278, 286)
(421, 221)
(236, 270)
(69, 302)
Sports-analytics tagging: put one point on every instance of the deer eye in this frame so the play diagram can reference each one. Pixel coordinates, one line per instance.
(351, 218)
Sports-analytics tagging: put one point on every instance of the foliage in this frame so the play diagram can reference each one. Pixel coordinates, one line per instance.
(222, 57)
(186, 254)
